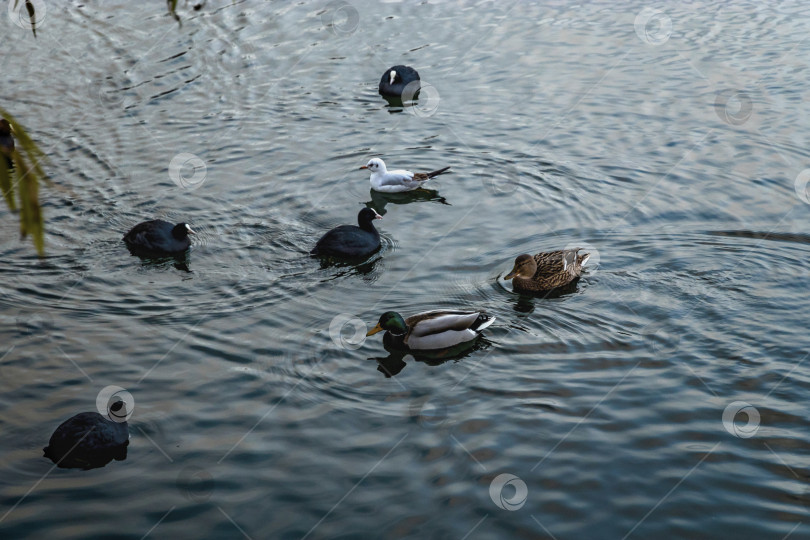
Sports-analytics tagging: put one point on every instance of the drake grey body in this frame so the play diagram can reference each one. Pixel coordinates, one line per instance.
(431, 330)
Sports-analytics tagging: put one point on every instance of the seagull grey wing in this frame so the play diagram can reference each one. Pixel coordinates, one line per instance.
(396, 178)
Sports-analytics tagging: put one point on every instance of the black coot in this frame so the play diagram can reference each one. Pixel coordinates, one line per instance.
(88, 440)
(351, 240)
(395, 80)
(158, 237)
(6, 141)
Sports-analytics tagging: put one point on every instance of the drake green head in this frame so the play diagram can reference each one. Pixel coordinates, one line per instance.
(390, 321)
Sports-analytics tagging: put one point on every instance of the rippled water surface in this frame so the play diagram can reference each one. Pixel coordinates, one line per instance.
(666, 396)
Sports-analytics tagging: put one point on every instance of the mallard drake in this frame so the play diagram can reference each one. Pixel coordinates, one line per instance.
(432, 330)
(399, 81)
(546, 271)
(88, 440)
(396, 181)
(158, 237)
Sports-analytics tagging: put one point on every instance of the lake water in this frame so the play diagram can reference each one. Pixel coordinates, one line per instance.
(665, 397)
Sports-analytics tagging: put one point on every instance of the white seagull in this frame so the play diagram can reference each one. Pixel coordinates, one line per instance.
(396, 181)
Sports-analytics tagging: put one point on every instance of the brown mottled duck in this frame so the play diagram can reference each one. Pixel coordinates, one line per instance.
(546, 271)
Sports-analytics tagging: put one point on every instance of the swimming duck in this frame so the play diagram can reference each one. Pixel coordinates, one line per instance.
(6, 141)
(399, 79)
(396, 181)
(88, 440)
(158, 237)
(358, 240)
(432, 330)
(546, 271)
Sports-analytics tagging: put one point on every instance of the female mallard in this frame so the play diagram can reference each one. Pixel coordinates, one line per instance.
(546, 271)
(431, 330)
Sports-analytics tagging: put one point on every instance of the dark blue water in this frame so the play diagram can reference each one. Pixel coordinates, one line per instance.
(665, 397)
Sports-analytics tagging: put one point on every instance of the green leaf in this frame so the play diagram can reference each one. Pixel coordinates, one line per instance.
(5, 184)
(25, 179)
(172, 4)
(32, 16)
(31, 221)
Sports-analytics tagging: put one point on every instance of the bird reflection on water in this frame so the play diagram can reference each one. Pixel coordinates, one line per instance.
(180, 261)
(379, 200)
(396, 360)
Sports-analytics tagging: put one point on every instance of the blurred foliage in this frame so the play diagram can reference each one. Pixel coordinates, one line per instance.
(32, 14)
(21, 164)
(20, 176)
(172, 4)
